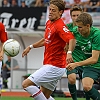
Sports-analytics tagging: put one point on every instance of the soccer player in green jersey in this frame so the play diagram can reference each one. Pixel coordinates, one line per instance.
(77, 55)
(88, 38)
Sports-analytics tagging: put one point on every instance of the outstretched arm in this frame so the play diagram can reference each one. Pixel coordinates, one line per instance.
(1, 52)
(38, 44)
(92, 60)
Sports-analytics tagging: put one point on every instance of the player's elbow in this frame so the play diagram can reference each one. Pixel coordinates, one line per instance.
(94, 61)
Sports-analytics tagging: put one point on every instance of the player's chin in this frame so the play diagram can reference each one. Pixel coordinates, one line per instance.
(1, 58)
(51, 19)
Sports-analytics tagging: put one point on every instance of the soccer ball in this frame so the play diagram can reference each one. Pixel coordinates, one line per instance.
(11, 47)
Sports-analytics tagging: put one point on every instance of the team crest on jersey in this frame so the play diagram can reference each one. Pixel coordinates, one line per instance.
(87, 48)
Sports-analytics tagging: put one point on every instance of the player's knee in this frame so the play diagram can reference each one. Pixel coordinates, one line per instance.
(25, 84)
(87, 87)
(72, 79)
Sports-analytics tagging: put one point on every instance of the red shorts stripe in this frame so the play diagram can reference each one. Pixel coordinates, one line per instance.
(36, 94)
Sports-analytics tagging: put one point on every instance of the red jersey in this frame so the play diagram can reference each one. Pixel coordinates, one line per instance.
(3, 33)
(56, 37)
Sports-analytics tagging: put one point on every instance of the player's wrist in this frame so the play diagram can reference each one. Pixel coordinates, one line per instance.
(69, 52)
(31, 46)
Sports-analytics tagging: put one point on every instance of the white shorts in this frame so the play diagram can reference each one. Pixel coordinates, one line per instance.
(47, 76)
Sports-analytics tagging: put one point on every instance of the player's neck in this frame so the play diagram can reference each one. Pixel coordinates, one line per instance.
(52, 21)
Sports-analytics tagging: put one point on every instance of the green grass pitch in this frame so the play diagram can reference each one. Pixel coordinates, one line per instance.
(29, 98)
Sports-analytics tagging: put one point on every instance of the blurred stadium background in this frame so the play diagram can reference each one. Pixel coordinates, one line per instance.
(27, 25)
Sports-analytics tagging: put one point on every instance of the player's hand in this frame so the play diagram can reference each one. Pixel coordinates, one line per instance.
(71, 66)
(69, 58)
(26, 51)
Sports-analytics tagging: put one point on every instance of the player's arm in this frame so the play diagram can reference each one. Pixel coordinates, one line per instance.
(1, 49)
(92, 60)
(72, 43)
(16, 67)
(37, 44)
(68, 37)
(4, 37)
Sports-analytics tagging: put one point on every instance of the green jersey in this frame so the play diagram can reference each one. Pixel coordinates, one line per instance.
(8, 63)
(70, 26)
(87, 44)
(78, 54)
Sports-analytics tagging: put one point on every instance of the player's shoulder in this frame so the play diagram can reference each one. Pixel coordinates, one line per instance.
(95, 31)
(75, 29)
(59, 21)
(60, 24)
(70, 26)
(1, 24)
(48, 22)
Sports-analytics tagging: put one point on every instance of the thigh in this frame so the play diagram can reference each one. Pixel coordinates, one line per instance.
(78, 70)
(70, 72)
(91, 73)
(27, 82)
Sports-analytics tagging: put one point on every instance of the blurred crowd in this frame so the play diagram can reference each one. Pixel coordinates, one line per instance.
(87, 5)
(23, 3)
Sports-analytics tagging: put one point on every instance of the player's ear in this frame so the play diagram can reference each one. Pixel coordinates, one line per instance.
(61, 12)
(88, 25)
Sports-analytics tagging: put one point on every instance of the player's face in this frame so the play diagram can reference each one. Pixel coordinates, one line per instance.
(83, 30)
(54, 12)
(74, 15)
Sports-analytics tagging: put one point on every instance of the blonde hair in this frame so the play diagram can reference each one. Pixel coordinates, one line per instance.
(85, 18)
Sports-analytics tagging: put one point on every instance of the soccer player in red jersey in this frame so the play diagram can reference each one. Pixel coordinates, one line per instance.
(3, 38)
(55, 38)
